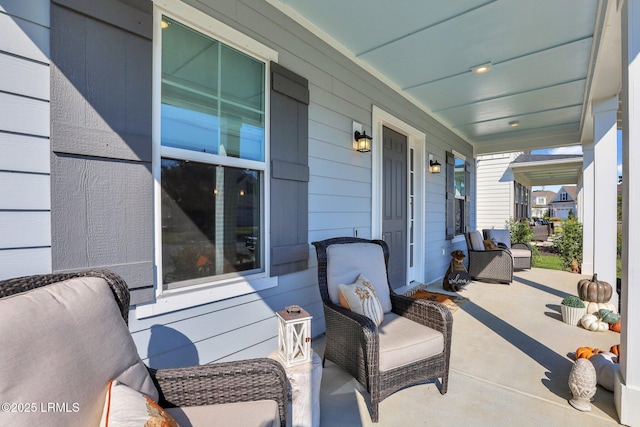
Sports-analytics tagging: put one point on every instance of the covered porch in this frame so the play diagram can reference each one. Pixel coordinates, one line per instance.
(510, 362)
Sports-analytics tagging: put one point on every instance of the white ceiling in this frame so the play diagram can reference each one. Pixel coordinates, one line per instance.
(543, 55)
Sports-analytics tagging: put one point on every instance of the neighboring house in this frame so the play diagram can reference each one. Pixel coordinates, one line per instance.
(540, 202)
(499, 196)
(197, 153)
(565, 202)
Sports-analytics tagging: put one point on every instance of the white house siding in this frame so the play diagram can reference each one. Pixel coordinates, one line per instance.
(495, 190)
(25, 205)
(340, 185)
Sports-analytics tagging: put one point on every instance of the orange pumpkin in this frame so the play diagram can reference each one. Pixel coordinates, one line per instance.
(586, 352)
(615, 327)
(615, 349)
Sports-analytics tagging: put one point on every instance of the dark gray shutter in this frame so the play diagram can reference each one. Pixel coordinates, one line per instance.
(289, 171)
(101, 182)
(467, 199)
(451, 196)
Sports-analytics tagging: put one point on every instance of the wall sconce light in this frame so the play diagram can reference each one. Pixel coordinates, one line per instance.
(434, 165)
(363, 141)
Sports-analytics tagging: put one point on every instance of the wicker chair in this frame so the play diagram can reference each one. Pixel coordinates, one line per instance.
(353, 340)
(229, 382)
(521, 252)
(488, 265)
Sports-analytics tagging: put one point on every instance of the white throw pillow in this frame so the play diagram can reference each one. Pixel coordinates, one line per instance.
(360, 297)
(124, 406)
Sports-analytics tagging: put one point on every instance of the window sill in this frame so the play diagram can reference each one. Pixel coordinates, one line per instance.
(183, 298)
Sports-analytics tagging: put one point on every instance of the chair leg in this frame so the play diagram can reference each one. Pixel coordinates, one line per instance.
(374, 412)
(444, 383)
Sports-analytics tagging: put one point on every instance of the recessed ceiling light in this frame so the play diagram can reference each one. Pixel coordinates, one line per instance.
(481, 69)
(514, 123)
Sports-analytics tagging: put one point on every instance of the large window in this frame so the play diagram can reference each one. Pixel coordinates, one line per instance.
(458, 200)
(212, 166)
(460, 195)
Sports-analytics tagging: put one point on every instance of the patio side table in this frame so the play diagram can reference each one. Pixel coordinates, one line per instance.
(305, 382)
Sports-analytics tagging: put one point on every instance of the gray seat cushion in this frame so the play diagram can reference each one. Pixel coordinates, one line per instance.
(64, 343)
(477, 244)
(520, 253)
(261, 413)
(403, 341)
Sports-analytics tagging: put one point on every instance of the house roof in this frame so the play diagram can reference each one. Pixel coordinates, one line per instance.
(547, 169)
(548, 60)
(548, 195)
(572, 192)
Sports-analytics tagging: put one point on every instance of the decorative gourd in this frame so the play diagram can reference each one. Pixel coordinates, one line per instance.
(594, 307)
(615, 349)
(608, 316)
(592, 322)
(594, 290)
(615, 327)
(586, 352)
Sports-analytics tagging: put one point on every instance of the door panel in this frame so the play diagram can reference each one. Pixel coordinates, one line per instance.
(394, 215)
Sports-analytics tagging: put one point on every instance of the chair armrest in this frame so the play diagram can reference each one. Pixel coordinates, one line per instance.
(227, 382)
(428, 313)
(521, 246)
(351, 324)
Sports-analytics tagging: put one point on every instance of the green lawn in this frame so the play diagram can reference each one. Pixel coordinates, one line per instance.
(553, 262)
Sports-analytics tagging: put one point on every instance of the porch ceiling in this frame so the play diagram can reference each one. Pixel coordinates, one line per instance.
(531, 171)
(544, 56)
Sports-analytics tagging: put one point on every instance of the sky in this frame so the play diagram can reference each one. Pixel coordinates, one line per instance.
(575, 149)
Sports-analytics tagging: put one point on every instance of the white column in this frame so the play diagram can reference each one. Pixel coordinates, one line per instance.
(588, 207)
(605, 178)
(627, 387)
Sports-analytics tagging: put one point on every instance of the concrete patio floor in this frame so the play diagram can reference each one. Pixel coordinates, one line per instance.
(510, 362)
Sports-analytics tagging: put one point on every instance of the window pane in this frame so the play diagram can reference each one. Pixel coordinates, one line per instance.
(213, 96)
(210, 221)
(459, 220)
(459, 178)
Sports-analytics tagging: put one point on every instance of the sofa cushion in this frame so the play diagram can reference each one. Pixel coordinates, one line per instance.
(124, 406)
(403, 341)
(261, 413)
(477, 243)
(499, 236)
(490, 245)
(361, 298)
(345, 262)
(62, 344)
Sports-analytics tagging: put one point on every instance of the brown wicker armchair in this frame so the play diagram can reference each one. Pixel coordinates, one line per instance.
(356, 344)
(488, 265)
(230, 382)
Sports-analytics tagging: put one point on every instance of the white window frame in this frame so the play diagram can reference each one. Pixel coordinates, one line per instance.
(459, 237)
(168, 300)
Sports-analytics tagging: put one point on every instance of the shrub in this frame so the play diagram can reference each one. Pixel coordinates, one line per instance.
(569, 243)
(521, 232)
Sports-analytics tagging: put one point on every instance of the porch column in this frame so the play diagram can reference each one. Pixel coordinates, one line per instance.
(588, 207)
(605, 181)
(627, 386)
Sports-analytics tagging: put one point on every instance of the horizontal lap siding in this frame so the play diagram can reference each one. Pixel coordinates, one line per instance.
(339, 194)
(25, 183)
(495, 191)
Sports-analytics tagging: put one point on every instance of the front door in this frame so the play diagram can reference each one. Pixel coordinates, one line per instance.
(394, 203)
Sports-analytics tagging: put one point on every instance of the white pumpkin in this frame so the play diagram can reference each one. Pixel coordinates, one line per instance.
(592, 322)
(593, 307)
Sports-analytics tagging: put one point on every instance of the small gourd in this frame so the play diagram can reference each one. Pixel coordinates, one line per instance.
(586, 352)
(592, 322)
(594, 290)
(608, 316)
(615, 349)
(615, 327)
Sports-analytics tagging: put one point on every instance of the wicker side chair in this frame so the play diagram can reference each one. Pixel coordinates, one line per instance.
(229, 382)
(353, 341)
(521, 252)
(488, 265)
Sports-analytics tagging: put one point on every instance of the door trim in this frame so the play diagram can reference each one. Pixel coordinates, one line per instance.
(415, 141)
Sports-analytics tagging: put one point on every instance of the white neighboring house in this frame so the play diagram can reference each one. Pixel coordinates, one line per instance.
(499, 196)
(566, 201)
(540, 202)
